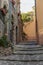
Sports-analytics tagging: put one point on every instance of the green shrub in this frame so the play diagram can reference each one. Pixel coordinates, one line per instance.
(3, 41)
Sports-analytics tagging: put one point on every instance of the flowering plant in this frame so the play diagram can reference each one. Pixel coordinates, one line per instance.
(13, 2)
(3, 11)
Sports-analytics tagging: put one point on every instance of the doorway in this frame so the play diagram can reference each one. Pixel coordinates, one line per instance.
(16, 34)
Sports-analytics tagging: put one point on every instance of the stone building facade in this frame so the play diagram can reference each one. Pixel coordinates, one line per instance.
(10, 20)
(10, 23)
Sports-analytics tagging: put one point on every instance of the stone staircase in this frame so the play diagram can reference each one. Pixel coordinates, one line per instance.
(29, 54)
(25, 54)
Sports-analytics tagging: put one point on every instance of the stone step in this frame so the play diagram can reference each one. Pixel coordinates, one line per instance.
(23, 58)
(28, 43)
(24, 55)
(21, 63)
(29, 52)
(28, 46)
(27, 63)
(28, 49)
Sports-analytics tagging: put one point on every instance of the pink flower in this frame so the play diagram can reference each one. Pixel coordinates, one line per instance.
(3, 10)
(13, 2)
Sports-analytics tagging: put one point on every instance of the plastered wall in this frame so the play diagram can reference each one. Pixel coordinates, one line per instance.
(39, 12)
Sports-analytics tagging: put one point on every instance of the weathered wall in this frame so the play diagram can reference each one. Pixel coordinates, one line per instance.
(30, 30)
(19, 23)
(39, 9)
(4, 2)
(1, 28)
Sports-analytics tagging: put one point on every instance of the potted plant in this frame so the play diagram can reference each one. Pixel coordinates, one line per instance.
(13, 2)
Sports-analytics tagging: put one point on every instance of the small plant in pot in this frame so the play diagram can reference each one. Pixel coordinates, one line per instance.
(4, 42)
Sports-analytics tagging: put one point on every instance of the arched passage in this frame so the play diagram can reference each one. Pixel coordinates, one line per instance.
(30, 26)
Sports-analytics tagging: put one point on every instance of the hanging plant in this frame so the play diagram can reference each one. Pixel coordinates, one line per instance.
(4, 10)
(13, 2)
(18, 14)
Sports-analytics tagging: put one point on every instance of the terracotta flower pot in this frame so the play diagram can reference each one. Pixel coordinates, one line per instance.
(3, 11)
(18, 14)
(13, 2)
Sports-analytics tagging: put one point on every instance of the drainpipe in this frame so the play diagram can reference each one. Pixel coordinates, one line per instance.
(36, 22)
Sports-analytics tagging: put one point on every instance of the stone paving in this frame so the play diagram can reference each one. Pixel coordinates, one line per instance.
(20, 63)
(24, 59)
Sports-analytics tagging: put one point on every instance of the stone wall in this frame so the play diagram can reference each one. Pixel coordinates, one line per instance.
(4, 2)
(1, 28)
(15, 11)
